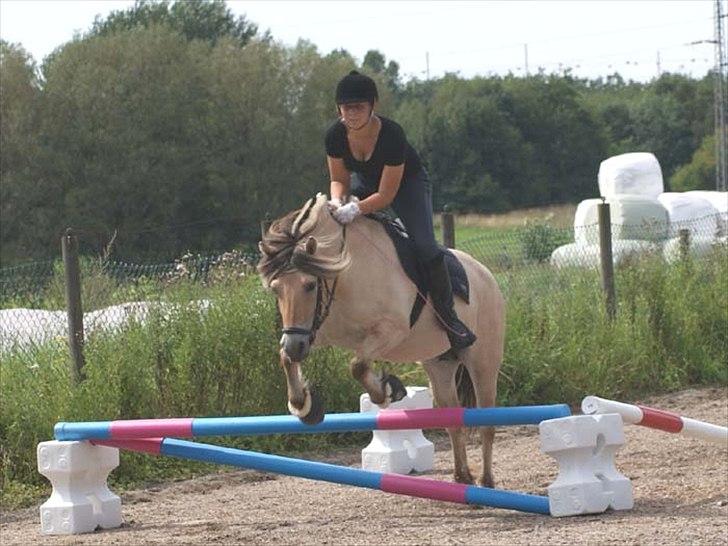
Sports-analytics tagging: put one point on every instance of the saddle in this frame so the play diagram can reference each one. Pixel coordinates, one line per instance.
(415, 269)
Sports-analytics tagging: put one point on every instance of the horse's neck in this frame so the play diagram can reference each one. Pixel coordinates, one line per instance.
(372, 253)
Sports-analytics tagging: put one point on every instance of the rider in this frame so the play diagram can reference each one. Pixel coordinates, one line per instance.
(369, 157)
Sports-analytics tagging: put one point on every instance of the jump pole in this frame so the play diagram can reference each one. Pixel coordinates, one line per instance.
(389, 483)
(288, 424)
(657, 419)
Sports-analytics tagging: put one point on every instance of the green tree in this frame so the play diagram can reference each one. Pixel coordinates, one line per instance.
(207, 20)
(699, 174)
(376, 63)
(123, 115)
(20, 221)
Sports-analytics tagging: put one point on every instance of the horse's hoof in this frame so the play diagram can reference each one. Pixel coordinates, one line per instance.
(466, 478)
(316, 412)
(394, 390)
(486, 481)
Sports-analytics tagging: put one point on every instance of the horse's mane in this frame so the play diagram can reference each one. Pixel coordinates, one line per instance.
(283, 247)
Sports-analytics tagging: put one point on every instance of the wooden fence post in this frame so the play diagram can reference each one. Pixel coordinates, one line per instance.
(605, 255)
(69, 249)
(448, 227)
(684, 235)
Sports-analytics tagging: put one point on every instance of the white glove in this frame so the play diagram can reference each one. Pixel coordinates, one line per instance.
(334, 204)
(346, 213)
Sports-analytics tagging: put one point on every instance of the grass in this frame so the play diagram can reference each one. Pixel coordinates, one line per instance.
(671, 331)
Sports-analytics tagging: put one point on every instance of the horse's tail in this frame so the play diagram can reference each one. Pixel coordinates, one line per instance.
(465, 388)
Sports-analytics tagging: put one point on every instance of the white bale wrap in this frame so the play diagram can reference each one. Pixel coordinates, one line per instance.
(633, 217)
(579, 255)
(690, 212)
(634, 173)
(719, 200)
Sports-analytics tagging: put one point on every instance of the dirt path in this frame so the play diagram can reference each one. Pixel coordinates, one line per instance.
(680, 490)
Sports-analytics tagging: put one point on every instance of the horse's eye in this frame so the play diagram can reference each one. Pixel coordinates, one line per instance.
(309, 286)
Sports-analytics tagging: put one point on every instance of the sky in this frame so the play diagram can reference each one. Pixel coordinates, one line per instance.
(593, 38)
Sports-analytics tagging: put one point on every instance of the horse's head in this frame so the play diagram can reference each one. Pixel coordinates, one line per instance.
(301, 252)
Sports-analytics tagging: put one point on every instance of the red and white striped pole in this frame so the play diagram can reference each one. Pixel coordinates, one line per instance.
(657, 419)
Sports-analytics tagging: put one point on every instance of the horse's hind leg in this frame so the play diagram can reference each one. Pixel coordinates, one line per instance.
(483, 362)
(444, 391)
(383, 388)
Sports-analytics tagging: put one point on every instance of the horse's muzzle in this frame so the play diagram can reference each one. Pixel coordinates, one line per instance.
(296, 346)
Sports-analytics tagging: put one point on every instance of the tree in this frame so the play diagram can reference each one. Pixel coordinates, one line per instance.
(207, 20)
(376, 63)
(699, 174)
(20, 194)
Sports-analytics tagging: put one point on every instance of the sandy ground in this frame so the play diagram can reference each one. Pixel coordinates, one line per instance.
(680, 490)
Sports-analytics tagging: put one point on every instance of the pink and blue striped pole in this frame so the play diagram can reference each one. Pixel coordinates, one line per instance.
(389, 483)
(288, 424)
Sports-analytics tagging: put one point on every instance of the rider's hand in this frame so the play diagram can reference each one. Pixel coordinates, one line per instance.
(334, 204)
(346, 213)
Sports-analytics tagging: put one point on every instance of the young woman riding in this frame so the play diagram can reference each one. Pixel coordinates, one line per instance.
(369, 157)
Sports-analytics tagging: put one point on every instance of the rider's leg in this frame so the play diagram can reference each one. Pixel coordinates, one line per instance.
(413, 205)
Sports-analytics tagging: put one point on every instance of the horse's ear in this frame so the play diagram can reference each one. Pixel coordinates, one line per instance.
(311, 245)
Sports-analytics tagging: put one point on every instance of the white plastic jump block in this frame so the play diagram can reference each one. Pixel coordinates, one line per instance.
(399, 451)
(584, 447)
(81, 501)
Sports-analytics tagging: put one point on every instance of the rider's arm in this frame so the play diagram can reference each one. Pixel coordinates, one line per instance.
(340, 177)
(388, 187)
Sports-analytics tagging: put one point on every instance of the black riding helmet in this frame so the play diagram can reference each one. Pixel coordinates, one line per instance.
(356, 87)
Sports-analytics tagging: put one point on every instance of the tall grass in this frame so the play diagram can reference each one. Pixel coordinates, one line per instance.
(180, 362)
(671, 331)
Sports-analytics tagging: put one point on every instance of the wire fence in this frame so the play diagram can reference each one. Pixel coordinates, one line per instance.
(526, 261)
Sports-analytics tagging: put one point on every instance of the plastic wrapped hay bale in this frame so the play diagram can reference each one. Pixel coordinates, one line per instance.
(587, 256)
(698, 247)
(635, 174)
(633, 217)
(691, 212)
(719, 199)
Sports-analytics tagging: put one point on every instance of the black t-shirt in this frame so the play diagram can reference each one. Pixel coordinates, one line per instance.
(391, 149)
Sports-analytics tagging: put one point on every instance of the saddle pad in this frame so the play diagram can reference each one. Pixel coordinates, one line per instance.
(415, 269)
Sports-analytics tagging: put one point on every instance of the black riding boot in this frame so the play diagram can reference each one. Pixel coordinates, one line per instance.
(459, 335)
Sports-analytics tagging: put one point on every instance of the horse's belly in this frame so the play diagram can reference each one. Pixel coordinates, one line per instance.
(425, 341)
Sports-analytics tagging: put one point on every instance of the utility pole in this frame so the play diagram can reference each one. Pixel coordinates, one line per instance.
(659, 69)
(427, 62)
(720, 92)
(719, 88)
(525, 50)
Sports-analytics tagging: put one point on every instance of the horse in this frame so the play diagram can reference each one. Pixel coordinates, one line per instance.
(344, 286)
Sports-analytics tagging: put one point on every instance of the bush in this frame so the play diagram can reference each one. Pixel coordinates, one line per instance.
(539, 240)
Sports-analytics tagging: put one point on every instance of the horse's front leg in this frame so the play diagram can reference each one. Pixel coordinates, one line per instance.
(303, 402)
(383, 388)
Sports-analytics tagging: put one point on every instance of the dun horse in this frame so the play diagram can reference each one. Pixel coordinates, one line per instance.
(345, 287)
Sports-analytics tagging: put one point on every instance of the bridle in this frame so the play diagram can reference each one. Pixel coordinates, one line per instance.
(324, 298)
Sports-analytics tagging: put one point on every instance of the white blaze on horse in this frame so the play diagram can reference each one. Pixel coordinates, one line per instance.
(346, 288)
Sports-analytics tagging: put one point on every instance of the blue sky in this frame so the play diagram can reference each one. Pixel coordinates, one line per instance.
(470, 37)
